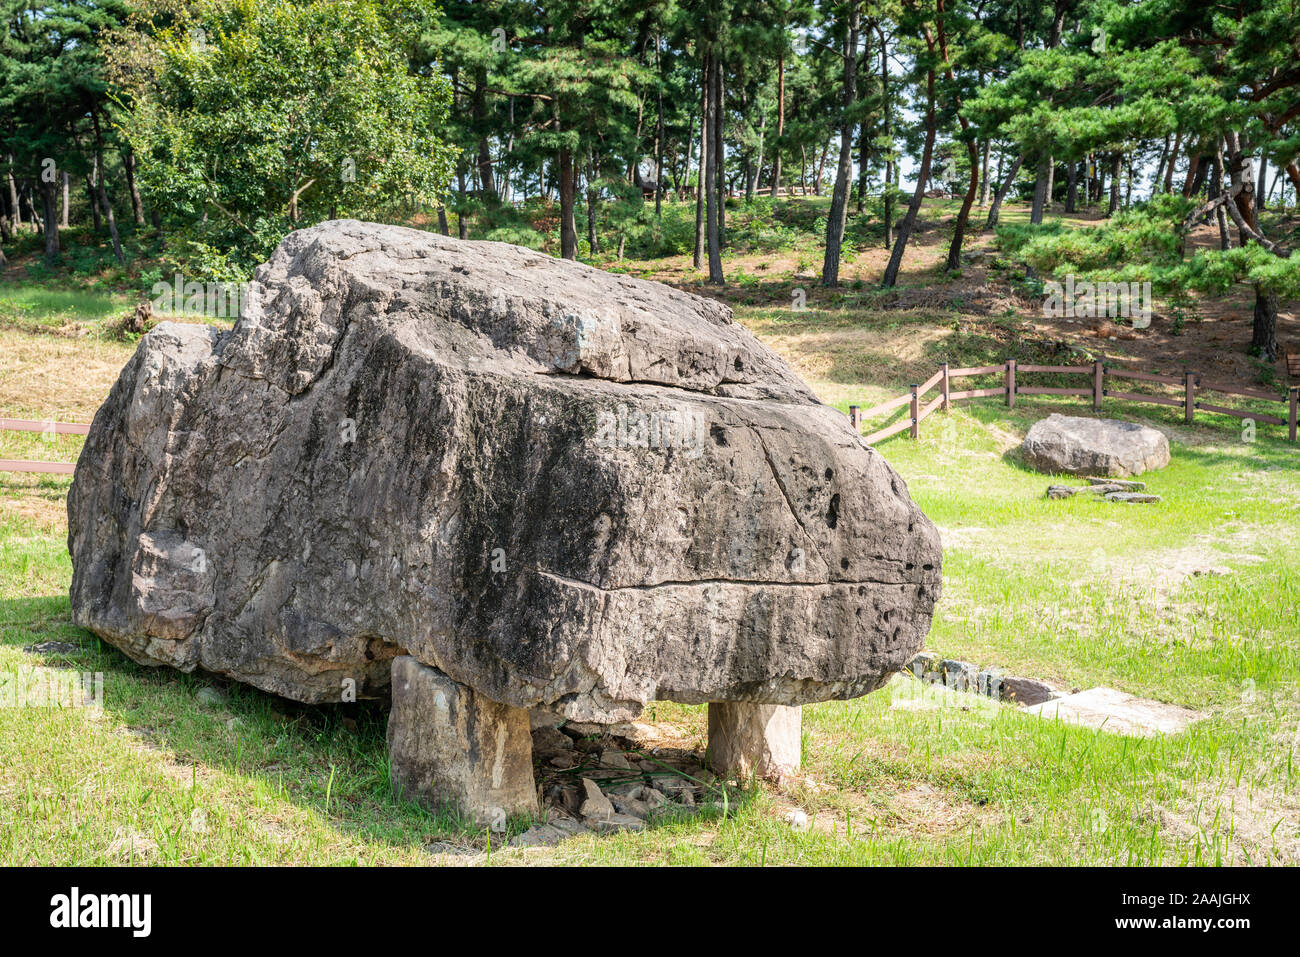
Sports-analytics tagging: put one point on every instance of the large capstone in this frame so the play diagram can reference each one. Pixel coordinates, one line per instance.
(1075, 445)
(555, 486)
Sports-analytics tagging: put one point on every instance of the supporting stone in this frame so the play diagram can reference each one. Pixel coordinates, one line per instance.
(759, 739)
(449, 747)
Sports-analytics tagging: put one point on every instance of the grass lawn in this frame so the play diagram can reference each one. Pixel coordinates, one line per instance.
(1192, 601)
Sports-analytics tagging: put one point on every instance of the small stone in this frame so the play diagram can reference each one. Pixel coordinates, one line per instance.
(959, 675)
(583, 729)
(615, 759)
(565, 760)
(1026, 691)
(570, 826)
(1062, 491)
(1106, 488)
(566, 797)
(1132, 498)
(539, 835)
(653, 797)
(989, 683)
(1075, 445)
(548, 741)
(541, 718)
(595, 805)
(617, 822)
(210, 697)
(631, 806)
(53, 648)
(797, 820)
(923, 662)
(1129, 484)
(1118, 712)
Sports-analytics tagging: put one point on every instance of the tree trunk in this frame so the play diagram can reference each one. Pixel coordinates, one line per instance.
(13, 194)
(1216, 189)
(890, 169)
(837, 218)
(1114, 184)
(713, 92)
(103, 193)
(1001, 194)
(701, 199)
(1160, 167)
(972, 155)
(659, 149)
(50, 217)
(1071, 186)
(718, 150)
(923, 174)
(1040, 191)
(963, 216)
(780, 124)
(137, 208)
(593, 241)
(1193, 165)
(984, 175)
(91, 177)
(1173, 158)
(1261, 193)
(1263, 339)
(568, 227)
(478, 110)
(462, 231)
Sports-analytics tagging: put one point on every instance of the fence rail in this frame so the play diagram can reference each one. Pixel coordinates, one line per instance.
(47, 427)
(1190, 383)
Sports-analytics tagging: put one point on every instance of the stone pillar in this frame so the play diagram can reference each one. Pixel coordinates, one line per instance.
(760, 739)
(449, 747)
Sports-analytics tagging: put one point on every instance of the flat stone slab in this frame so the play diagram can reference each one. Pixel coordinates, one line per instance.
(1074, 445)
(1110, 710)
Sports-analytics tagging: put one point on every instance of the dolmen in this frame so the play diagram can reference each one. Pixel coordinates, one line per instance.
(478, 480)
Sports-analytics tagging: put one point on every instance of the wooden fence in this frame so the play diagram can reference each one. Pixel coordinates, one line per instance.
(27, 425)
(1190, 384)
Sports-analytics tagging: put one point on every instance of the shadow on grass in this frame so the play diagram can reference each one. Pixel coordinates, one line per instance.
(329, 758)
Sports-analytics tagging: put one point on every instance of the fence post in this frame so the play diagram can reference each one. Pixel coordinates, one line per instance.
(1291, 416)
(1011, 383)
(855, 417)
(916, 410)
(1189, 400)
(1098, 389)
(947, 389)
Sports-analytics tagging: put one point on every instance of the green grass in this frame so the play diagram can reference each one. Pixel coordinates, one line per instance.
(33, 307)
